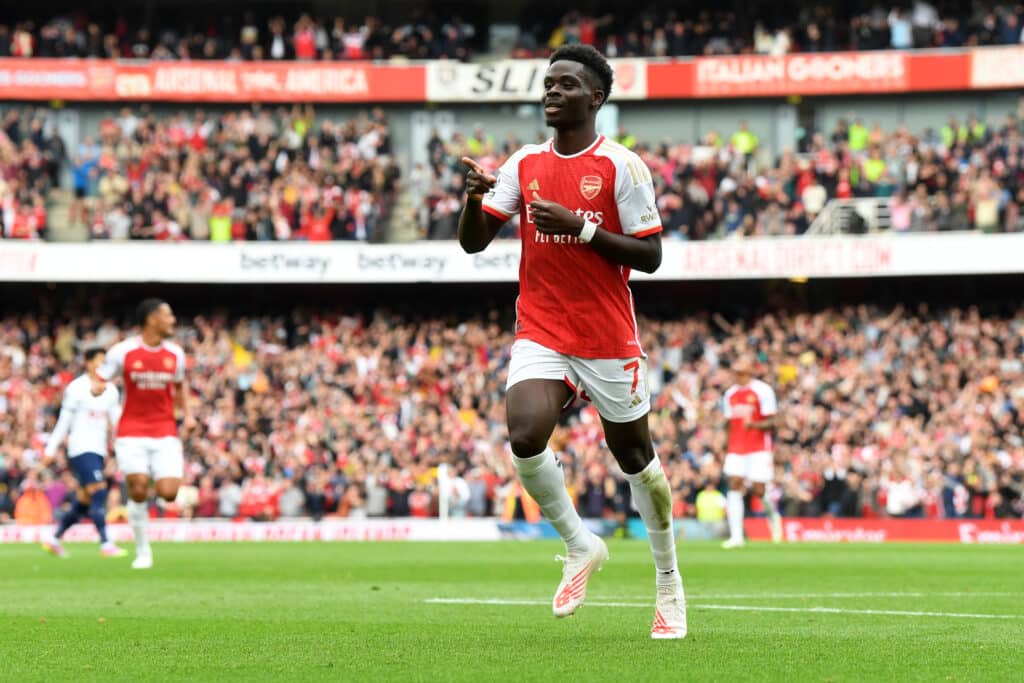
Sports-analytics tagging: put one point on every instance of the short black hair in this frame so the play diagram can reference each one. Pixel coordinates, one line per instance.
(146, 307)
(588, 56)
(92, 352)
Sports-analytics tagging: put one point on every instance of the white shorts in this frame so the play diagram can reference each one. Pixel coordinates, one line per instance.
(758, 467)
(617, 387)
(159, 458)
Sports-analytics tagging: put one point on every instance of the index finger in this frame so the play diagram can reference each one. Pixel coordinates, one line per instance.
(473, 165)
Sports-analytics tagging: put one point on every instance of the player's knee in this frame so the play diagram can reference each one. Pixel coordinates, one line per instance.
(633, 459)
(735, 484)
(525, 442)
(167, 491)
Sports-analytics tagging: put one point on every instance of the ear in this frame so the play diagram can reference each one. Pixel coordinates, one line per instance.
(597, 98)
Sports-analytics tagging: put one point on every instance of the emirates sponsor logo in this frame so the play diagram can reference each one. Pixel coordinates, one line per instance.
(971, 533)
(827, 533)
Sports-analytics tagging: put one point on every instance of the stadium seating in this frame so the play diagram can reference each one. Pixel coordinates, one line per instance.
(884, 412)
(263, 174)
(243, 175)
(425, 36)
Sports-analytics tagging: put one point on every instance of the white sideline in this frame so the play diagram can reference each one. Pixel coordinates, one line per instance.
(894, 594)
(734, 608)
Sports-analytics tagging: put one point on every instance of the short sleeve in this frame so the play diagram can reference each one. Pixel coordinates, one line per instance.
(114, 409)
(634, 195)
(114, 363)
(766, 397)
(179, 365)
(505, 198)
(70, 397)
(726, 405)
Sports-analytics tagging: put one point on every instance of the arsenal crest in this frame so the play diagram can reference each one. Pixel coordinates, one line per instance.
(590, 186)
(168, 363)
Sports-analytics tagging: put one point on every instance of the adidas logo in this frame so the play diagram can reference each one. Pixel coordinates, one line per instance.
(534, 185)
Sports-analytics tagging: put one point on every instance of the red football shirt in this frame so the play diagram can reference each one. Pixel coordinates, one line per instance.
(571, 299)
(754, 401)
(149, 375)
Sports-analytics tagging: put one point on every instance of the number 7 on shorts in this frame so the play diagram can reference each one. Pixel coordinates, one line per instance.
(633, 365)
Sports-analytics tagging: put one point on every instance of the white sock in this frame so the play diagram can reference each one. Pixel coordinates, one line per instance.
(734, 511)
(543, 478)
(770, 509)
(652, 496)
(138, 517)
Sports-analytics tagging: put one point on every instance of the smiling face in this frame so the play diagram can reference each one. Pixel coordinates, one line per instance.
(162, 321)
(572, 95)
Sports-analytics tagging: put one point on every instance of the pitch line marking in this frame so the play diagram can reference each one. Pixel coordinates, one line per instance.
(734, 608)
(893, 594)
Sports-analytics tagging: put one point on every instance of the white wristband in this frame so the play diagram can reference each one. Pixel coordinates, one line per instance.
(587, 232)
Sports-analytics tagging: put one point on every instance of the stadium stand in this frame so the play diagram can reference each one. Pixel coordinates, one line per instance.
(886, 411)
(965, 175)
(302, 36)
(263, 174)
(252, 174)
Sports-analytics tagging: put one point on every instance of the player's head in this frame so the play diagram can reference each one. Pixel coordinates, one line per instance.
(578, 81)
(94, 358)
(743, 368)
(156, 316)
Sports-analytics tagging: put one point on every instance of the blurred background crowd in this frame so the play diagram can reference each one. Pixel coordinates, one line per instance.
(425, 34)
(264, 174)
(883, 412)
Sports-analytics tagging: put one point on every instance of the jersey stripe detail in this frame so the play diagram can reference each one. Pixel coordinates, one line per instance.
(497, 213)
(648, 232)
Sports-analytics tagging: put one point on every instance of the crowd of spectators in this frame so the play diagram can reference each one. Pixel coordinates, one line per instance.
(808, 28)
(236, 38)
(700, 31)
(963, 175)
(284, 173)
(31, 159)
(883, 412)
(245, 174)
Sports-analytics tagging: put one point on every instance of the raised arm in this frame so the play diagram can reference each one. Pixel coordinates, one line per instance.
(477, 226)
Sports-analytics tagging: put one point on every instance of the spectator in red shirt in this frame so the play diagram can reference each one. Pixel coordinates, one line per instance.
(316, 224)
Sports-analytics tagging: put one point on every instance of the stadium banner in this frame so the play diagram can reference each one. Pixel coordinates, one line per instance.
(820, 530)
(518, 80)
(105, 80)
(805, 74)
(511, 80)
(182, 531)
(997, 67)
(441, 262)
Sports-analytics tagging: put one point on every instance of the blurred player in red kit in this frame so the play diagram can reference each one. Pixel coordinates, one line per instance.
(750, 407)
(587, 217)
(152, 370)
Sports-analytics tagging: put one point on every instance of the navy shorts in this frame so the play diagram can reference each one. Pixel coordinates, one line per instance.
(88, 468)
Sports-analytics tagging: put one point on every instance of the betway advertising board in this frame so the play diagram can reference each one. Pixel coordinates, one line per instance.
(439, 262)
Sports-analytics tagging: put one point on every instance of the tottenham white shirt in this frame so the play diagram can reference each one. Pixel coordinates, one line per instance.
(85, 419)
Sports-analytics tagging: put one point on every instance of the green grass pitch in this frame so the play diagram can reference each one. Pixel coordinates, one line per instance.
(373, 612)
